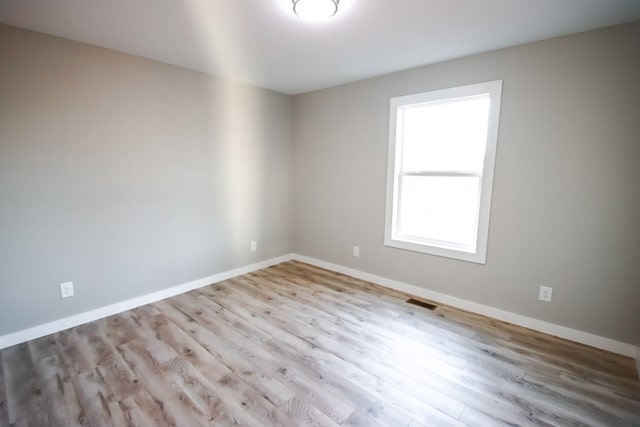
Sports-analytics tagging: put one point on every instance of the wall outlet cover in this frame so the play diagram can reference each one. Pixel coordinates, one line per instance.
(546, 293)
(66, 289)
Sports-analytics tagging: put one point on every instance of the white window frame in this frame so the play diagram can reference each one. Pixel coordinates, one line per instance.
(392, 237)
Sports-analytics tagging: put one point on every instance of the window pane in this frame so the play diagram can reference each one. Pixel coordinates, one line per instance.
(448, 135)
(439, 208)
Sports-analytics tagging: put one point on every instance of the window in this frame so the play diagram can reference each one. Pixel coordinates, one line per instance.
(442, 148)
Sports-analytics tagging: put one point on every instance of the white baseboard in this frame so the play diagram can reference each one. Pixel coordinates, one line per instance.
(516, 319)
(109, 310)
(496, 313)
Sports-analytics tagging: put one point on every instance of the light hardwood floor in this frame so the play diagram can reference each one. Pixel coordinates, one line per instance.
(295, 345)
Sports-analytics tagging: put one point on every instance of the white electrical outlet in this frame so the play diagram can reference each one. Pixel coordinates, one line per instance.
(254, 246)
(66, 289)
(545, 293)
(356, 251)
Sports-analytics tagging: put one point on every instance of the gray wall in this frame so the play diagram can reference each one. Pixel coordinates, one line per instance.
(566, 201)
(128, 176)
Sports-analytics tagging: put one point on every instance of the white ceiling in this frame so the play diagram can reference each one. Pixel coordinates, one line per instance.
(261, 42)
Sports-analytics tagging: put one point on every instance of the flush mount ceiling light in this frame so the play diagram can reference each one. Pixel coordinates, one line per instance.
(315, 9)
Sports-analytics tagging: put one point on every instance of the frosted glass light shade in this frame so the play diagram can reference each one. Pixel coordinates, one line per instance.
(315, 9)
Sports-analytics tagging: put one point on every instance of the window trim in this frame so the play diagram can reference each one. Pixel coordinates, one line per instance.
(494, 90)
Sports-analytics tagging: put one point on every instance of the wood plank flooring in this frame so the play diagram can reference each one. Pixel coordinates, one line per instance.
(295, 345)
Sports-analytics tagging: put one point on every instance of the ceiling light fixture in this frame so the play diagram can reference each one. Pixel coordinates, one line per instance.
(315, 9)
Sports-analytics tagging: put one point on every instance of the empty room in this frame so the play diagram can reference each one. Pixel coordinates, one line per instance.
(319, 213)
